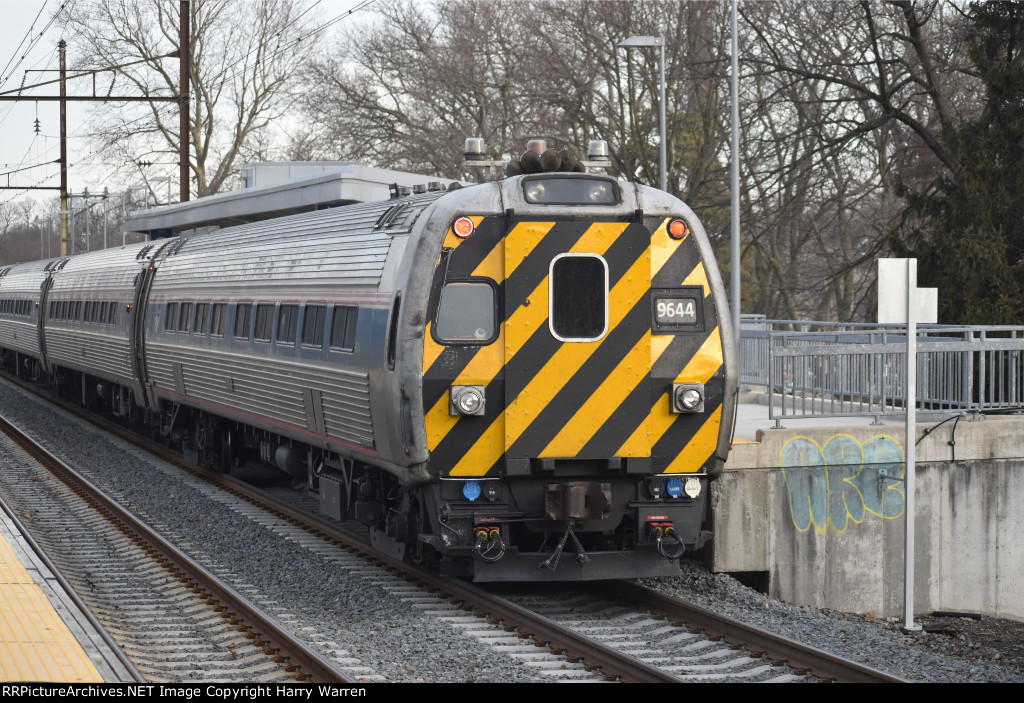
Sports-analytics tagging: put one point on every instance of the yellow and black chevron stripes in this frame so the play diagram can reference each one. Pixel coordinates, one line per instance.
(698, 277)
(525, 317)
(610, 394)
(552, 395)
(533, 357)
(456, 364)
(680, 441)
(595, 399)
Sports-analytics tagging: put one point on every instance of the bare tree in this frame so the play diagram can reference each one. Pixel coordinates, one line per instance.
(406, 90)
(243, 58)
(844, 103)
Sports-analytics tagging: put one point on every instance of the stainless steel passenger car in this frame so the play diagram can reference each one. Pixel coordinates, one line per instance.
(21, 289)
(523, 380)
(88, 330)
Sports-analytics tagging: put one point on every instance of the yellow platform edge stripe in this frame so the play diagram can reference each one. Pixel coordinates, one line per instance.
(35, 644)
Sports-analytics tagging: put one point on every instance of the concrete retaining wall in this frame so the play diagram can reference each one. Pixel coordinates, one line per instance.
(818, 511)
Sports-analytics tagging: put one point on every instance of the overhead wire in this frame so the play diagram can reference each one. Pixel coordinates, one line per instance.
(172, 107)
(33, 40)
(28, 34)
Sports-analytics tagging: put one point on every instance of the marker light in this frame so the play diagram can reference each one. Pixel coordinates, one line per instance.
(677, 229)
(463, 227)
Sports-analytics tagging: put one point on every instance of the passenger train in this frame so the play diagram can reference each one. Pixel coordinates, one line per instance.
(521, 380)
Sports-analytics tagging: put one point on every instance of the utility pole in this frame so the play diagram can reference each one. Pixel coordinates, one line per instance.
(184, 64)
(185, 78)
(64, 201)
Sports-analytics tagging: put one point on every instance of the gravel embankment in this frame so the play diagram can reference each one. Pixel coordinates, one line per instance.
(970, 650)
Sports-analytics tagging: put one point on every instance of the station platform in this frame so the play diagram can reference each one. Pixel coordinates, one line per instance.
(43, 635)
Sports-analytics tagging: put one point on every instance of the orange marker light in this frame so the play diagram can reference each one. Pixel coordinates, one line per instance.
(463, 227)
(677, 229)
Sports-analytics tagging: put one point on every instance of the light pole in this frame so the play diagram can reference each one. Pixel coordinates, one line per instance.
(158, 179)
(38, 220)
(125, 198)
(647, 41)
(734, 182)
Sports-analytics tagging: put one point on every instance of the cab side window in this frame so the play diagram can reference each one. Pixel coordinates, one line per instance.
(466, 313)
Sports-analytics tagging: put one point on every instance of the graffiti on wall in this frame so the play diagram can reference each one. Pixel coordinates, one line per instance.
(829, 487)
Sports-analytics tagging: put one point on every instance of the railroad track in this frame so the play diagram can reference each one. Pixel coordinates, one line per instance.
(172, 617)
(757, 642)
(560, 644)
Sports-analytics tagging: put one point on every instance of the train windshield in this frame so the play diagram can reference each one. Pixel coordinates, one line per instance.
(466, 313)
(570, 191)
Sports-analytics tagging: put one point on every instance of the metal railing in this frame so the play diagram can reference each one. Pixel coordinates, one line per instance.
(825, 369)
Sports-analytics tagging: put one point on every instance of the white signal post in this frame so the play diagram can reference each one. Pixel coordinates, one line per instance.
(897, 281)
(911, 447)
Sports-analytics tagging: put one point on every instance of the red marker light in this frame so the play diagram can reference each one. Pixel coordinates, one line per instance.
(677, 229)
(463, 227)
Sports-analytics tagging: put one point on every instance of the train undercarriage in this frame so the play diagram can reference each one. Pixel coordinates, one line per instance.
(565, 521)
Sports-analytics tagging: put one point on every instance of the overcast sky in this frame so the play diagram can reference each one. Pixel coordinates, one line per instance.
(20, 146)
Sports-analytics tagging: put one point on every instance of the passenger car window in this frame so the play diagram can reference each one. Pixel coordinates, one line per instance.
(242, 312)
(466, 313)
(287, 320)
(343, 328)
(185, 318)
(217, 321)
(264, 323)
(313, 325)
(200, 325)
(171, 318)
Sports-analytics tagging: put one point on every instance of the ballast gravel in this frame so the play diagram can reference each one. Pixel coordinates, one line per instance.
(351, 616)
(985, 650)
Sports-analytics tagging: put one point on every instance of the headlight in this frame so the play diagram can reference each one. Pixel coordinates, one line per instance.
(536, 192)
(687, 397)
(466, 400)
(690, 399)
(599, 193)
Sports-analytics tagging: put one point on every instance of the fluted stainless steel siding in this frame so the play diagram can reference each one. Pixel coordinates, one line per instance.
(22, 282)
(333, 255)
(337, 249)
(266, 388)
(101, 350)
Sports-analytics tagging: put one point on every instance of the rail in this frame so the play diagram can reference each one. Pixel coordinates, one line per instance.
(276, 639)
(823, 369)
